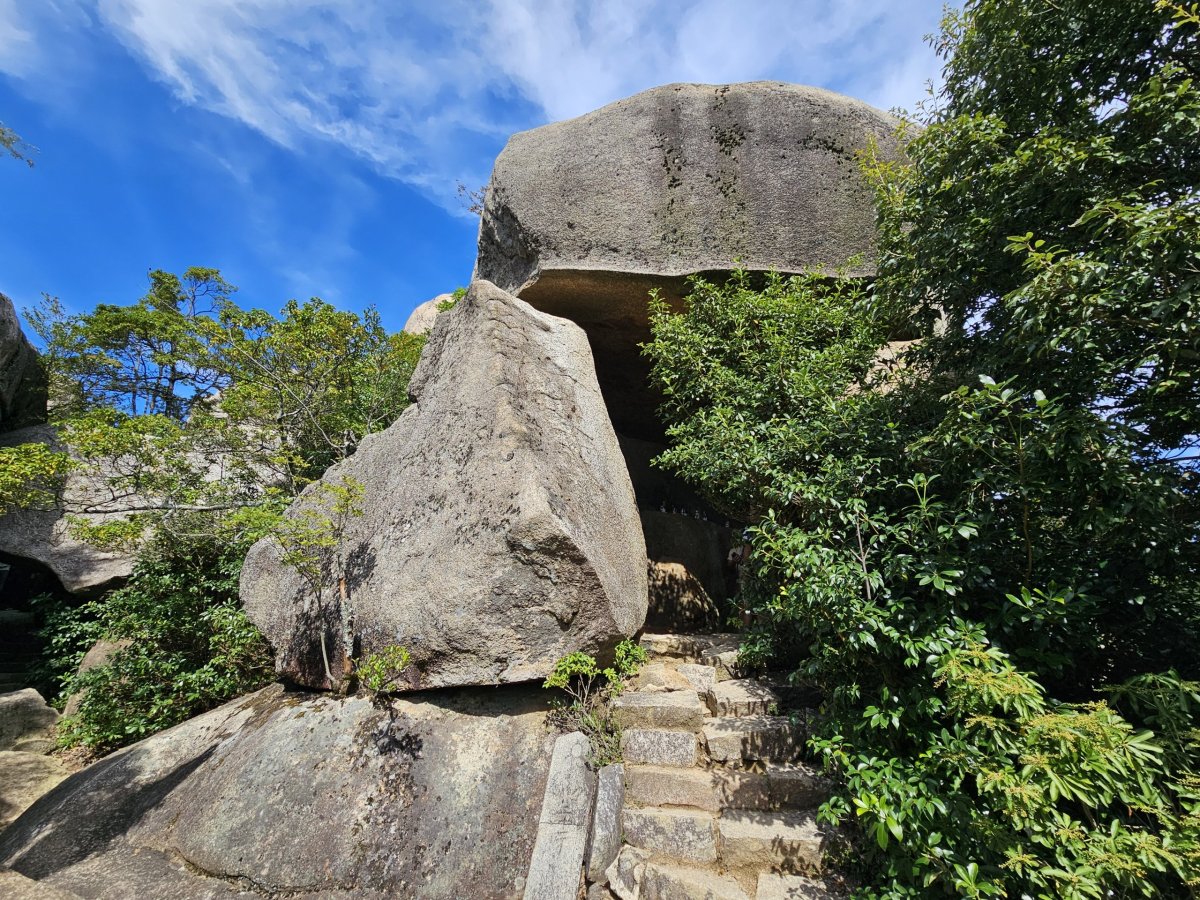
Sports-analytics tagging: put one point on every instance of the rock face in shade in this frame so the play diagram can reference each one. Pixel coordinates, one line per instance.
(22, 378)
(583, 217)
(499, 530)
(421, 319)
(42, 535)
(294, 794)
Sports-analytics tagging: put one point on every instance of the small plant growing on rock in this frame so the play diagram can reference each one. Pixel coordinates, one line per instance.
(379, 672)
(591, 689)
(311, 542)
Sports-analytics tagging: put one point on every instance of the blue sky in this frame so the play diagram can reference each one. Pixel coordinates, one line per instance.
(313, 147)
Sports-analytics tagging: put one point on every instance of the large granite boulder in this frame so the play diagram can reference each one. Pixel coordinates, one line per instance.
(43, 536)
(583, 217)
(302, 795)
(499, 528)
(22, 377)
(421, 319)
(25, 717)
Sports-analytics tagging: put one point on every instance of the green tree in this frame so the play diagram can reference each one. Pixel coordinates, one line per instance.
(184, 402)
(987, 556)
(12, 144)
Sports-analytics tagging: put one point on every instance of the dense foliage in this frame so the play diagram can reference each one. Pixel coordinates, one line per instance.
(185, 402)
(986, 554)
(197, 422)
(184, 645)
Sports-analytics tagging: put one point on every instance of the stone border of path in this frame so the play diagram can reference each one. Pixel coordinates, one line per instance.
(580, 822)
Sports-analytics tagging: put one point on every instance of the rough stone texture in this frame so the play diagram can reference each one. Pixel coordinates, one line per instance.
(677, 709)
(678, 601)
(781, 841)
(15, 886)
(678, 179)
(664, 882)
(742, 697)
(23, 778)
(699, 546)
(736, 739)
(659, 677)
(421, 319)
(606, 822)
(285, 793)
(772, 886)
(599, 891)
(713, 790)
(556, 867)
(25, 714)
(725, 662)
(499, 530)
(688, 647)
(98, 654)
(22, 377)
(678, 833)
(41, 534)
(701, 678)
(669, 786)
(684, 178)
(626, 871)
(656, 747)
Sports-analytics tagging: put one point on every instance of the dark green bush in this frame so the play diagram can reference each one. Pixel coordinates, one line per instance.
(190, 646)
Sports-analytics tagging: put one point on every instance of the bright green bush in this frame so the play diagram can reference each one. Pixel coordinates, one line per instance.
(962, 569)
(378, 672)
(591, 690)
(190, 646)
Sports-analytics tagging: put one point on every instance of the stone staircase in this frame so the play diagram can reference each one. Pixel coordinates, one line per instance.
(717, 804)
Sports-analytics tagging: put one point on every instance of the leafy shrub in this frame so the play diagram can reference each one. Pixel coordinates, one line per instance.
(190, 647)
(965, 568)
(591, 689)
(377, 672)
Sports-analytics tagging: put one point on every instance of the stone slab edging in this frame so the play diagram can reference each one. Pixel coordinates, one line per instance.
(556, 865)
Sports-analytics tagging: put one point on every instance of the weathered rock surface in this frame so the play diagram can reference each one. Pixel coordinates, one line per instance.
(98, 655)
(22, 377)
(499, 529)
(679, 179)
(42, 535)
(24, 715)
(700, 547)
(24, 777)
(678, 601)
(421, 319)
(304, 795)
(583, 217)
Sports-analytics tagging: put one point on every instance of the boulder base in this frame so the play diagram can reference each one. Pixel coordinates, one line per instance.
(292, 794)
(499, 528)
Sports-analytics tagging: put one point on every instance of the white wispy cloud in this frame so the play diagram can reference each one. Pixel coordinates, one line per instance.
(427, 90)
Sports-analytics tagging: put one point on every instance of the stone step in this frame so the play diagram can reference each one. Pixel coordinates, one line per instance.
(737, 740)
(681, 834)
(742, 697)
(682, 710)
(714, 790)
(662, 881)
(725, 663)
(772, 886)
(785, 841)
(659, 747)
(688, 647)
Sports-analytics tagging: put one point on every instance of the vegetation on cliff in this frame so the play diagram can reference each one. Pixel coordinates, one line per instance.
(986, 554)
(198, 421)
